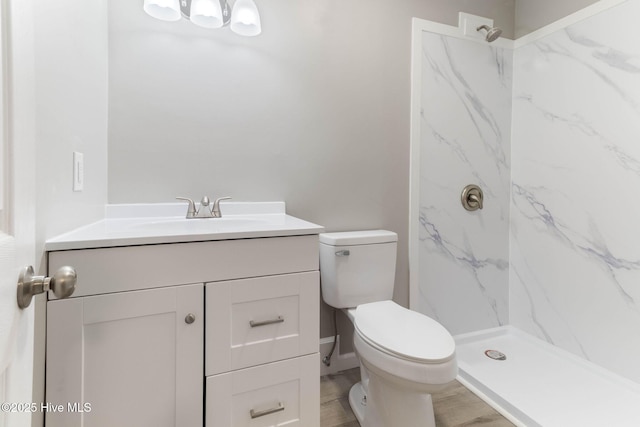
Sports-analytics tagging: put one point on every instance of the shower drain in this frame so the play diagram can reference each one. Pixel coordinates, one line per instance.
(495, 355)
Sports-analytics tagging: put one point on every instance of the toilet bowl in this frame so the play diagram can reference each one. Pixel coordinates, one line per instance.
(404, 355)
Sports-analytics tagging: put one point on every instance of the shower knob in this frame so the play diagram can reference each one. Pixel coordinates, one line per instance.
(472, 197)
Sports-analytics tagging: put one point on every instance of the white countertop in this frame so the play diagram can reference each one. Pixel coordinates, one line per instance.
(145, 224)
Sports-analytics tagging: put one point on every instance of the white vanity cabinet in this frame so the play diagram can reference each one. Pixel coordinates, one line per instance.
(222, 333)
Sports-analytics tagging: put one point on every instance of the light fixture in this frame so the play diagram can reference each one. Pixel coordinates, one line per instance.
(244, 19)
(207, 13)
(165, 10)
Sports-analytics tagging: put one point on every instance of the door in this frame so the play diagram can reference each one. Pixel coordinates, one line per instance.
(126, 359)
(17, 194)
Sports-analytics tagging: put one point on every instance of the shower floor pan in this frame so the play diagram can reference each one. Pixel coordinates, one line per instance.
(539, 384)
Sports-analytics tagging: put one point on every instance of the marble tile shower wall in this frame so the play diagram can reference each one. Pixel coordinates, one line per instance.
(465, 139)
(556, 149)
(575, 212)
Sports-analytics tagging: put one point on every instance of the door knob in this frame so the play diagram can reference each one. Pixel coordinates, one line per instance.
(62, 283)
(472, 197)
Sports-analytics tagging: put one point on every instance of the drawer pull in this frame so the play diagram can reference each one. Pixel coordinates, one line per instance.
(253, 324)
(258, 414)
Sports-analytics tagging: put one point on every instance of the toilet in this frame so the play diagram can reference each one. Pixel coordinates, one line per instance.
(404, 355)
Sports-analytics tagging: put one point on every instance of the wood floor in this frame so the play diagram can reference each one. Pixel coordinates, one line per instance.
(454, 407)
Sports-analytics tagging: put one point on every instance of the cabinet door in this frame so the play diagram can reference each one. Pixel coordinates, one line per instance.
(126, 359)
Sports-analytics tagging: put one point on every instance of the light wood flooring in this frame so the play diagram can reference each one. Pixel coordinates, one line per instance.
(454, 407)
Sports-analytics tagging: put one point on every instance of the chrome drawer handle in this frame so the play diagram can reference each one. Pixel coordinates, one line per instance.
(253, 324)
(257, 414)
(343, 253)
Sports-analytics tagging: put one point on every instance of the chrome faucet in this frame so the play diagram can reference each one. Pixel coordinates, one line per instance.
(204, 211)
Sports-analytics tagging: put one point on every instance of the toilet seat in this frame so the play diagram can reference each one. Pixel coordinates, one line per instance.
(403, 333)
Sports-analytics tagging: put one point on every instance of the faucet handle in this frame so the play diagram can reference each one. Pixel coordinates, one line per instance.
(216, 207)
(191, 210)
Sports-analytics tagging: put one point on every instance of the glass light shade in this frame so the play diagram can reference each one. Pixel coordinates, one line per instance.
(206, 13)
(245, 19)
(165, 10)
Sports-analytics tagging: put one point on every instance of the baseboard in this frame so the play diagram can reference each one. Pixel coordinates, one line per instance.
(339, 362)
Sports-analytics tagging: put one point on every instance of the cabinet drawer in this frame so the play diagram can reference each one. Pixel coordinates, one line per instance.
(108, 270)
(280, 393)
(260, 320)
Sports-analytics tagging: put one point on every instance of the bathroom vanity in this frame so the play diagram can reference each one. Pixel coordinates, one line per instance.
(186, 322)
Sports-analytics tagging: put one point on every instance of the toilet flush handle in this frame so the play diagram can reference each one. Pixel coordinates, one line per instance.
(343, 253)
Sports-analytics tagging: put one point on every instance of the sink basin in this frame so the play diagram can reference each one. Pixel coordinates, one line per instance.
(199, 225)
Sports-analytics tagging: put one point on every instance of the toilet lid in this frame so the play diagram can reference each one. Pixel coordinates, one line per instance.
(404, 333)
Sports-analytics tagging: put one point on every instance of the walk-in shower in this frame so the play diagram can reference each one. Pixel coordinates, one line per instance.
(540, 274)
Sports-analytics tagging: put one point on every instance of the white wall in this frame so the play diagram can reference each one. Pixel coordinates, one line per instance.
(465, 138)
(575, 258)
(71, 114)
(531, 15)
(315, 111)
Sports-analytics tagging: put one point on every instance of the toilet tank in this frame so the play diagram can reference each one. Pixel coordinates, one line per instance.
(357, 267)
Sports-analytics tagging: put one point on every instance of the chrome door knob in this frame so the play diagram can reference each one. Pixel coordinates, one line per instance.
(62, 284)
(190, 318)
